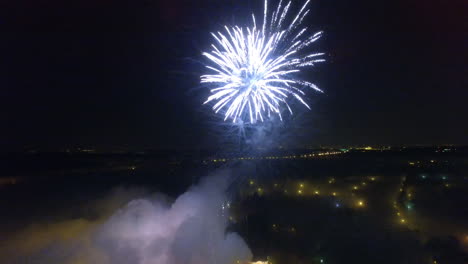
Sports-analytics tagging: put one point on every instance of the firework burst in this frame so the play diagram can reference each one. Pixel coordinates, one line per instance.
(254, 68)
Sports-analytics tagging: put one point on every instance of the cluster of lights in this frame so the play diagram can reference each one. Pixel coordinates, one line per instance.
(400, 216)
(409, 196)
(304, 156)
(254, 262)
(422, 163)
(402, 211)
(409, 206)
(302, 189)
(445, 184)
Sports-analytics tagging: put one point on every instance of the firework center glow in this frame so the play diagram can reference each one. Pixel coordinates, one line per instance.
(253, 70)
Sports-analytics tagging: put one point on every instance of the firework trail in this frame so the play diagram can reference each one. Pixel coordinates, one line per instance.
(254, 68)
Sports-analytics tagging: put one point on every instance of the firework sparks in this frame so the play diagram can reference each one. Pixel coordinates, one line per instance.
(254, 69)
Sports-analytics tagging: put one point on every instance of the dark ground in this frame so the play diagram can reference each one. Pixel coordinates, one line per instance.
(38, 188)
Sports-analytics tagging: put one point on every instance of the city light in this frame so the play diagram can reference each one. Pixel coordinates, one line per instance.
(306, 156)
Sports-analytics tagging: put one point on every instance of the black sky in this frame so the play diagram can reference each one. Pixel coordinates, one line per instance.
(114, 73)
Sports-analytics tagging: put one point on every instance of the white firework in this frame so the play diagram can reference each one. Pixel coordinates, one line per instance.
(253, 68)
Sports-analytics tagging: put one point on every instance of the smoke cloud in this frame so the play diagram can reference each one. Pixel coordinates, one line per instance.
(147, 230)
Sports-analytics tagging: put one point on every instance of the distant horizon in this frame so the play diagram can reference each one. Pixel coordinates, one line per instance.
(91, 149)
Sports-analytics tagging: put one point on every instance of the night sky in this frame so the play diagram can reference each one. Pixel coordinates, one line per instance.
(108, 73)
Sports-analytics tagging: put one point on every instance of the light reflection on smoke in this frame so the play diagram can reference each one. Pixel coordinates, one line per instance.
(191, 230)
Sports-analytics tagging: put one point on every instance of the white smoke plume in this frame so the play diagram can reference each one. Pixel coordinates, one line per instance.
(191, 230)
